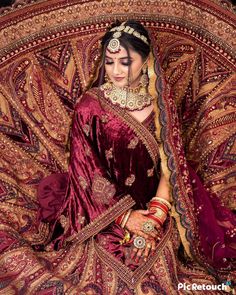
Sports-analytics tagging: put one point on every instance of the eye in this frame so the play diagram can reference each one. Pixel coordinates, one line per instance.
(126, 63)
(108, 62)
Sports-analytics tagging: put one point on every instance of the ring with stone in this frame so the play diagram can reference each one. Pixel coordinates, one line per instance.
(148, 227)
(139, 242)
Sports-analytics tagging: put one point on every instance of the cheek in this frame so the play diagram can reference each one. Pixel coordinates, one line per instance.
(108, 71)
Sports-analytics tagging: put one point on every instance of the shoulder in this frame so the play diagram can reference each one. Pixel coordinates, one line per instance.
(89, 100)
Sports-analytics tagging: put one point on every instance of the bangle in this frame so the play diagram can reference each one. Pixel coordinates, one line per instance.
(126, 217)
(154, 205)
(155, 219)
(119, 219)
(163, 201)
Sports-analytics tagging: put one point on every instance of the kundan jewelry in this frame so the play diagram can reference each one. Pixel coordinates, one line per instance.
(126, 98)
(114, 44)
(148, 227)
(139, 242)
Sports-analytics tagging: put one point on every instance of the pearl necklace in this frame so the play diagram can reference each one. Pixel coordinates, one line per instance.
(126, 98)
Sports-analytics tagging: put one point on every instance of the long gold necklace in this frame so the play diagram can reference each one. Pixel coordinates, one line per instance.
(126, 98)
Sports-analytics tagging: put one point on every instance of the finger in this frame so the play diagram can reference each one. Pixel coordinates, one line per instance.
(147, 250)
(138, 255)
(142, 234)
(134, 253)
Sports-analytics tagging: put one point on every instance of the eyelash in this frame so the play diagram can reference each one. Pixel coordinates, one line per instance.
(123, 63)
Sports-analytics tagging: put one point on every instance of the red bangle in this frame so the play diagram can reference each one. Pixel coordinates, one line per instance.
(155, 219)
(159, 204)
(119, 219)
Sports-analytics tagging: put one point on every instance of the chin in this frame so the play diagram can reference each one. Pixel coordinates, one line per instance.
(119, 84)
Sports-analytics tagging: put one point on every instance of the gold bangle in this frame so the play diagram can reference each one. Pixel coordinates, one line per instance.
(125, 219)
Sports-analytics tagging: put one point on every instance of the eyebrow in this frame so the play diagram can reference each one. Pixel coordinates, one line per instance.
(119, 58)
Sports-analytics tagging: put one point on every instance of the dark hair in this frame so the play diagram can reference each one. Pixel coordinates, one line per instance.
(129, 40)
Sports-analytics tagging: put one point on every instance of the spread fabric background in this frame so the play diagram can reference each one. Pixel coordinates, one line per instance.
(47, 52)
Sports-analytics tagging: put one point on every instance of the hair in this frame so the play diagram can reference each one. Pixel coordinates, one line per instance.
(128, 41)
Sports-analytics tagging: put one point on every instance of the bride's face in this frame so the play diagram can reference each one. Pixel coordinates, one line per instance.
(117, 67)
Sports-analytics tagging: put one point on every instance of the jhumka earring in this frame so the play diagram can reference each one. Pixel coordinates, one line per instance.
(144, 80)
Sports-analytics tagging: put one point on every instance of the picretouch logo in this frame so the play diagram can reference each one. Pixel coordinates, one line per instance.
(195, 287)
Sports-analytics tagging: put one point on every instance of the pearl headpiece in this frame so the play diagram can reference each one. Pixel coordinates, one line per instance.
(114, 44)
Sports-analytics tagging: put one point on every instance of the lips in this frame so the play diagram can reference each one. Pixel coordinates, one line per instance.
(118, 78)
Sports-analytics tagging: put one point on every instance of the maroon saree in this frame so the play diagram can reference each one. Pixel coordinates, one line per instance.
(115, 165)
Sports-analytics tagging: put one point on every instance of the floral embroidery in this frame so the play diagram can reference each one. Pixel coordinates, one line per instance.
(83, 183)
(150, 172)
(87, 150)
(104, 118)
(80, 218)
(133, 143)
(86, 129)
(102, 189)
(64, 222)
(109, 153)
(130, 180)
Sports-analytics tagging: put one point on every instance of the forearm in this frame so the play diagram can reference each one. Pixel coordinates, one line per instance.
(163, 189)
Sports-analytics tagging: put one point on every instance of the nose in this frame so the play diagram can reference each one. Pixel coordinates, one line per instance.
(116, 68)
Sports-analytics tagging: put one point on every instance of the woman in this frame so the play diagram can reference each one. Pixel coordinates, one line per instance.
(121, 196)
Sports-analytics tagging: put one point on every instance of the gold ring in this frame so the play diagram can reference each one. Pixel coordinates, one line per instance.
(148, 227)
(139, 242)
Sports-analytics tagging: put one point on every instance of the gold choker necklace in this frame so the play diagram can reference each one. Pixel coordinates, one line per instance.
(126, 98)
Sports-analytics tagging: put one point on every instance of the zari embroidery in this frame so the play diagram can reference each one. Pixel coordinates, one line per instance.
(109, 154)
(133, 143)
(130, 180)
(102, 189)
(83, 183)
(86, 129)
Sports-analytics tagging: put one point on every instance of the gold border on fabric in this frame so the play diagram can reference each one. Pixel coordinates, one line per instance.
(103, 220)
(133, 277)
(139, 129)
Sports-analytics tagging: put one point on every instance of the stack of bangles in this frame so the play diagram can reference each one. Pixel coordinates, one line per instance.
(158, 208)
(122, 219)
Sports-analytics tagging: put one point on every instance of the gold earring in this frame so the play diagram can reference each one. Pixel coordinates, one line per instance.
(144, 80)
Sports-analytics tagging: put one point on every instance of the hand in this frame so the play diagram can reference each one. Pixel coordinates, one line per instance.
(135, 224)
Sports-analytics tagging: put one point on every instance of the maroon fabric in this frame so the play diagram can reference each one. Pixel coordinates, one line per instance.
(101, 148)
(216, 225)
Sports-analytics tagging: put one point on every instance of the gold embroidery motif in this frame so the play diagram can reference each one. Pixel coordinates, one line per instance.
(109, 154)
(130, 180)
(104, 118)
(81, 219)
(102, 189)
(86, 129)
(133, 143)
(150, 172)
(64, 222)
(87, 150)
(83, 183)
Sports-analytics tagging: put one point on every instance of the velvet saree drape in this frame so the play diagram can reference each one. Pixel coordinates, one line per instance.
(115, 165)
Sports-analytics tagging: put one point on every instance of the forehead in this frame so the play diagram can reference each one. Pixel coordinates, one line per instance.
(122, 53)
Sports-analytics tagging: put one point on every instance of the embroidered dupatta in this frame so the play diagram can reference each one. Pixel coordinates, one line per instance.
(206, 227)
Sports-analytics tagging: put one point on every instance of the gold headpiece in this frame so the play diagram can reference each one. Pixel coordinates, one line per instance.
(114, 43)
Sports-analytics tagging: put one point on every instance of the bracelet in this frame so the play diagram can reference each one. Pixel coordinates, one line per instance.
(126, 217)
(163, 201)
(154, 205)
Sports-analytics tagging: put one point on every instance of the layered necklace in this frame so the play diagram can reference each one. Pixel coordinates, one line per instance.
(126, 98)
